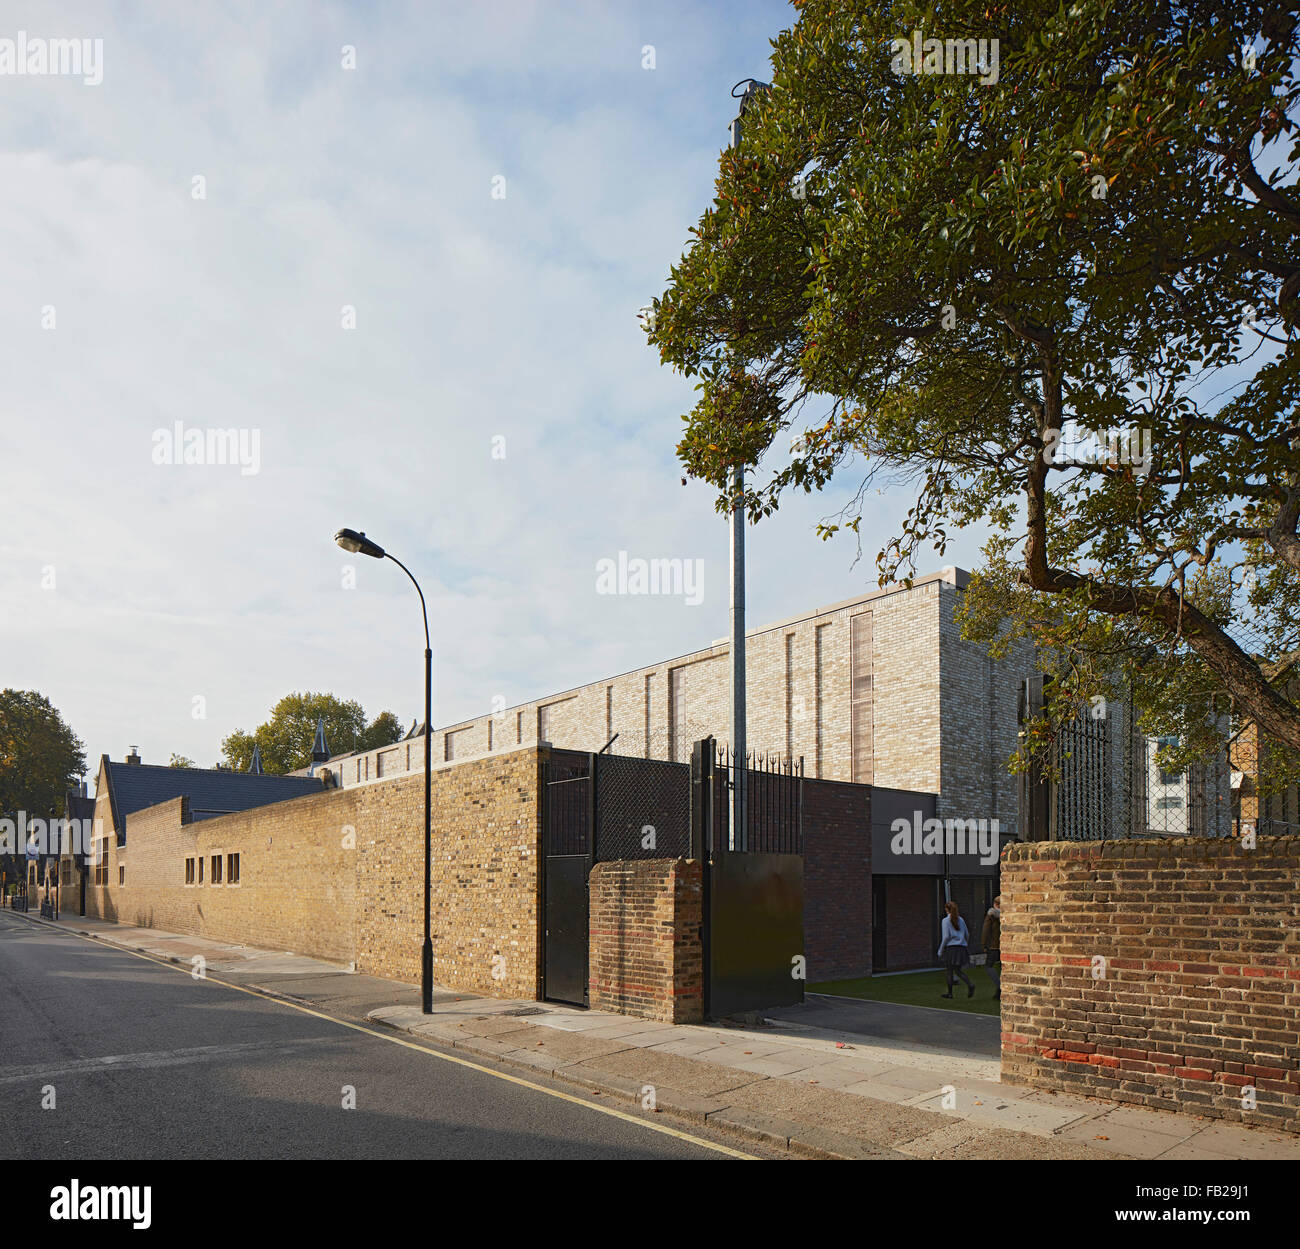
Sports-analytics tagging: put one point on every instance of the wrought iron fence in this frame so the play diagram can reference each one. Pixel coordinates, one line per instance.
(773, 800)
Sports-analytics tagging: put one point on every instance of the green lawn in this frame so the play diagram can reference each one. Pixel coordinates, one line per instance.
(919, 988)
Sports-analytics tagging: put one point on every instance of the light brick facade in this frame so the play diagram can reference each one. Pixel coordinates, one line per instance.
(935, 714)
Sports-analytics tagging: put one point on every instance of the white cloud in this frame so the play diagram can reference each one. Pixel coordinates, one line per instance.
(475, 318)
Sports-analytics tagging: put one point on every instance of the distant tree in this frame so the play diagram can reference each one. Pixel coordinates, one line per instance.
(40, 759)
(383, 730)
(181, 761)
(286, 737)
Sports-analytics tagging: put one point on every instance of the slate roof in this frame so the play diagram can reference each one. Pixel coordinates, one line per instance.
(79, 807)
(134, 786)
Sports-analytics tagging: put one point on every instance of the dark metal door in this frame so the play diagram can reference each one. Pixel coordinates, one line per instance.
(566, 928)
(566, 830)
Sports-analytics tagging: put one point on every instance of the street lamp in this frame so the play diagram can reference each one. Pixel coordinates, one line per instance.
(358, 543)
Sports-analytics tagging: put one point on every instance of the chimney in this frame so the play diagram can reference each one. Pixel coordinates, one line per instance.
(134, 758)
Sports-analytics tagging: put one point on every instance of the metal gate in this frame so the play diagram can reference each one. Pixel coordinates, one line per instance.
(598, 808)
(567, 821)
(752, 933)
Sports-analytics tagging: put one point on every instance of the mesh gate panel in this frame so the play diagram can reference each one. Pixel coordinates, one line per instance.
(634, 795)
(568, 804)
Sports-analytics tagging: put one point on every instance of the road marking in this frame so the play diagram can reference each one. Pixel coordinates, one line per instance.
(663, 1129)
(148, 1058)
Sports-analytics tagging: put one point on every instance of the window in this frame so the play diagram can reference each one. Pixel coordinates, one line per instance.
(677, 730)
(1168, 778)
(232, 869)
(189, 871)
(121, 873)
(99, 857)
(200, 861)
(216, 869)
(861, 697)
(1168, 804)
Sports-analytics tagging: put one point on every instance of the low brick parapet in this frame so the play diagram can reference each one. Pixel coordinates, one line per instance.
(1160, 972)
(645, 956)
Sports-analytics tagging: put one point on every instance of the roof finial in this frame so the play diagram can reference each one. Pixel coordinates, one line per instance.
(255, 767)
(320, 752)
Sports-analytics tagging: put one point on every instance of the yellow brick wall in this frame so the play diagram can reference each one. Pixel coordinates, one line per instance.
(337, 875)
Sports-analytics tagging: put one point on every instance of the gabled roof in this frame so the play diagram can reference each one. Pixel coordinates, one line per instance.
(211, 791)
(78, 807)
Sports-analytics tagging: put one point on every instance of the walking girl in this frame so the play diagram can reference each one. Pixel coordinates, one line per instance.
(954, 949)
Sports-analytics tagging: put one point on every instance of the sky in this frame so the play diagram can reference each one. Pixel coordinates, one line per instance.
(409, 276)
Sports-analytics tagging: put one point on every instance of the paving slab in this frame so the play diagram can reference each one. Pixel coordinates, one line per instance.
(1182, 1127)
(875, 1122)
(1231, 1140)
(1116, 1138)
(1019, 1116)
(674, 1071)
(878, 1090)
(831, 1075)
(565, 1046)
(961, 1139)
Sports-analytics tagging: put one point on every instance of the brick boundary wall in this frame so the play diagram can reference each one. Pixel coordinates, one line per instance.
(645, 957)
(837, 879)
(1201, 993)
(337, 875)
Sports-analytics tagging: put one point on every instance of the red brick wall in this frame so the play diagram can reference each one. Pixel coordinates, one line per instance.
(1201, 989)
(645, 956)
(837, 879)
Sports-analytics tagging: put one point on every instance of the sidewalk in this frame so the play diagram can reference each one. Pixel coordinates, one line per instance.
(815, 1090)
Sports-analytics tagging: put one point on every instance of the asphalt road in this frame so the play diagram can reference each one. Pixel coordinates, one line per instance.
(144, 1062)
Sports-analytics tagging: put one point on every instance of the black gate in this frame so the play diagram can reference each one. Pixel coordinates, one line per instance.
(753, 896)
(599, 808)
(567, 819)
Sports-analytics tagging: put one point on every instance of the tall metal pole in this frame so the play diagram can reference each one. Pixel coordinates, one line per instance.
(426, 952)
(738, 831)
(426, 957)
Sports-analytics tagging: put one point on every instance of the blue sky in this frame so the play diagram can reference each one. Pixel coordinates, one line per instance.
(132, 592)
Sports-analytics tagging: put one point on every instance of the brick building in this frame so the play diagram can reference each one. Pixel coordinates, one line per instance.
(879, 690)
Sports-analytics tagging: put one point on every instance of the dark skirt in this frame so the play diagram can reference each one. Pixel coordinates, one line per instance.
(956, 956)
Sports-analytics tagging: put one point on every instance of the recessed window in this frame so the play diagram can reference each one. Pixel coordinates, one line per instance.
(216, 869)
(232, 869)
(189, 871)
(121, 873)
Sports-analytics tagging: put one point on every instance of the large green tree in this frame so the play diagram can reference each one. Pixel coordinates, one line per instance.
(286, 737)
(40, 758)
(966, 282)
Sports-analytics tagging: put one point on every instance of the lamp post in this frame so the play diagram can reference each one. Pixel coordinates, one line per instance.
(739, 831)
(358, 543)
